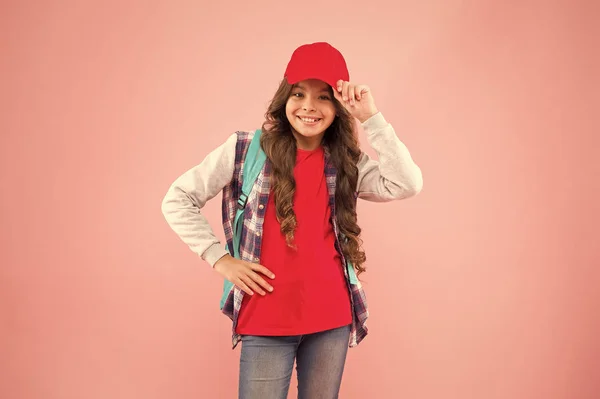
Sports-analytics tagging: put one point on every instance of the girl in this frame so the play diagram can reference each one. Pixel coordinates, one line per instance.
(295, 295)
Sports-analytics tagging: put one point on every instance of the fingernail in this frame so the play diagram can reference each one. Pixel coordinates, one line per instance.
(271, 289)
(345, 98)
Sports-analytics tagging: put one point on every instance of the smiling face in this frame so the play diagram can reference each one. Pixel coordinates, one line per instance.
(310, 111)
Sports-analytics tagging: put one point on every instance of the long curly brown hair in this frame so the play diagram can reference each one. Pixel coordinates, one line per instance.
(341, 144)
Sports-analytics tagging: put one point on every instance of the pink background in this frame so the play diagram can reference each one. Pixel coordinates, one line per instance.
(484, 286)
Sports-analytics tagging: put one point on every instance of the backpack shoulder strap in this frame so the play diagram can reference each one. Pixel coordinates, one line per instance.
(253, 164)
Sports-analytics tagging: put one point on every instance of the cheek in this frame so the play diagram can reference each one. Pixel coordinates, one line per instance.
(290, 107)
(288, 110)
(330, 118)
(331, 112)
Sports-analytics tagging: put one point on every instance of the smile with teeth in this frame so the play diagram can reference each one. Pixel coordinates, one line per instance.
(309, 120)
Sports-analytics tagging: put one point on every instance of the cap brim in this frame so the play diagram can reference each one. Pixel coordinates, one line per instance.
(297, 79)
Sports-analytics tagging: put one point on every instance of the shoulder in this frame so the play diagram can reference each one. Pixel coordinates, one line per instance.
(244, 135)
(244, 138)
(241, 139)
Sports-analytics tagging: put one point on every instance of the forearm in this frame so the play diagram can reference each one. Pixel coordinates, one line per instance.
(187, 195)
(394, 175)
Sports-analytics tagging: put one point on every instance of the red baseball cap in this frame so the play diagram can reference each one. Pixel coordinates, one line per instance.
(317, 61)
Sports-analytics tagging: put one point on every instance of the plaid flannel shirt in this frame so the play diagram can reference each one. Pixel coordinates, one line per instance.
(394, 176)
(251, 239)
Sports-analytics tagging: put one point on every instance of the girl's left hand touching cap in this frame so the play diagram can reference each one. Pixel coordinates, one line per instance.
(357, 99)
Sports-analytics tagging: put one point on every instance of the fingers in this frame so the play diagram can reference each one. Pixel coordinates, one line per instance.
(261, 281)
(358, 91)
(338, 97)
(250, 281)
(342, 88)
(240, 283)
(348, 93)
(251, 284)
(254, 274)
(341, 94)
(247, 276)
(260, 268)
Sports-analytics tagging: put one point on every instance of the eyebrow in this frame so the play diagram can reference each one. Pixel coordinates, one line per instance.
(299, 86)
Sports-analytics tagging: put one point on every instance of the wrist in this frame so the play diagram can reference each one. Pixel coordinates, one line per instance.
(366, 117)
(220, 261)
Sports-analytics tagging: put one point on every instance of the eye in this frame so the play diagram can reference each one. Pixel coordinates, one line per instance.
(325, 97)
(297, 94)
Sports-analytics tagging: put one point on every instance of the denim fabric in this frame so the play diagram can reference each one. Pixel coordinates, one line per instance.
(266, 364)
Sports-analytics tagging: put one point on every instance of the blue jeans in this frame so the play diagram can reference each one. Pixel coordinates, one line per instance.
(266, 364)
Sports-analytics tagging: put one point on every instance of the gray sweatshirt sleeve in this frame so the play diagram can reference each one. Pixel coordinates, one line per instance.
(395, 176)
(187, 195)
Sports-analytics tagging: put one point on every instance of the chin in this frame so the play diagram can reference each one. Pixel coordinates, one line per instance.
(307, 132)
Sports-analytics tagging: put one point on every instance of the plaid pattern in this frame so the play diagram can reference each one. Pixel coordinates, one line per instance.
(251, 240)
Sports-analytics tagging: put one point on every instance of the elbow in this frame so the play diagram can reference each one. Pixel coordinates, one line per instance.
(409, 191)
(164, 208)
(416, 182)
(414, 191)
(176, 201)
(410, 188)
(166, 205)
(417, 185)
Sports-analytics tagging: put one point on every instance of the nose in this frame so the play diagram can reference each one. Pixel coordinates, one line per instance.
(308, 105)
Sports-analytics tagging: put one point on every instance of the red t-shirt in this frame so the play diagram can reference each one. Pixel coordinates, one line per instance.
(309, 290)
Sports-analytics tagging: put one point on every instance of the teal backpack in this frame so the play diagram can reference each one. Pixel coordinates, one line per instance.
(253, 165)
